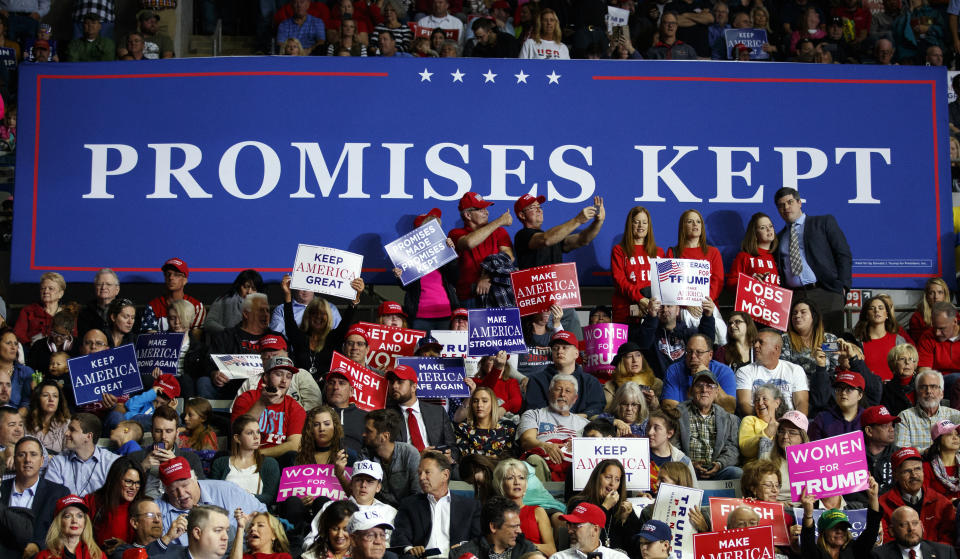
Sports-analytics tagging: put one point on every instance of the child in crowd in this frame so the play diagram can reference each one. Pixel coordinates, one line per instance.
(197, 435)
(164, 392)
(58, 370)
(127, 436)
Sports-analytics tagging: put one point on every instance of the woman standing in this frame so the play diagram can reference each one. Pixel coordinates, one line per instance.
(71, 533)
(48, 416)
(877, 330)
(429, 301)
(755, 258)
(259, 475)
(692, 244)
(630, 266)
(545, 43)
(227, 309)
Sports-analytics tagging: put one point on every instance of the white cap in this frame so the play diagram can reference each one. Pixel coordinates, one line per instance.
(365, 520)
(368, 468)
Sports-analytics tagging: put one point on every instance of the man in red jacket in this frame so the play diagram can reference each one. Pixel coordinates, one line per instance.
(936, 512)
(939, 348)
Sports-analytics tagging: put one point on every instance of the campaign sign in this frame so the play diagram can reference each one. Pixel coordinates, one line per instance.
(369, 388)
(420, 251)
(749, 543)
(633, 453)
(673, 506)
(771, 514)
(858, 521)
(601, 342)
(160, 351)
(766, 303)
(492, 330)
(536, 289)
(112, 371)
(616, 17)
(438, 377)
(326, 270)
(456, 344)
(753, 39)
(314, 480)
(831, 466)
(679, 281)
(386, 343)
(239, 365)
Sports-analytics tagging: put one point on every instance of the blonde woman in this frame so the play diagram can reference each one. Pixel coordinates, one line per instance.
(545, 41)
(71, 533)
(266, 537)
(935, 291)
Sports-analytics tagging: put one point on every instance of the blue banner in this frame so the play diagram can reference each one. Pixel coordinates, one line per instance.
(492, 330)
(194, 158)
(161, 351)
(111, 371)
(753, 39)
(420, 251)
(438, 377)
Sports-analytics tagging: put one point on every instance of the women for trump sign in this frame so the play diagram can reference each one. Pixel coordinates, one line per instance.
(831, 466)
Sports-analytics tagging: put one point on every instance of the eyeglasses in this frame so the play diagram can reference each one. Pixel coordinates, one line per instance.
(771, 486)
(788, 432)
(698, 352)
(131, 483)
(844, 388)
(94, 343)
(630, 405)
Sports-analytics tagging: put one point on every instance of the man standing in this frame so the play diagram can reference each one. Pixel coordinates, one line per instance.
(400, 460)
(814, 258)
(583, 526)
(908, 535)
(91, 47)
(476, 240)
(915, 423)
(698, 357)
(563, 349)
(281, 417)
(908, 490)
(175, 275)
(26, 489)
(768, 367)
(307, 29)
(708, 434)
(669, 47)
(500, 519)
(82, 467)
(441, 19)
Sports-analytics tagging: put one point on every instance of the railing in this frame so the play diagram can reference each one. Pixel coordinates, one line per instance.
(218, 38)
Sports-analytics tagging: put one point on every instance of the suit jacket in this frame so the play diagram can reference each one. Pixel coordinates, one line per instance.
(930, 550)
(826, 250)
(437, 425)
(413, 523)
(44, 504)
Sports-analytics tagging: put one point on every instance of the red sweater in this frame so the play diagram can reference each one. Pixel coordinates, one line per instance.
(746, 263)
(716, 266)
(32, 320)
(936, 515)
(941, 356)
(114, 524)
(875, 355)
(630, 275)
(930, 480)
(507, 390)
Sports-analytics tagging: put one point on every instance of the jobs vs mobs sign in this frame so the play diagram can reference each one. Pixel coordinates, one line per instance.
(358, 181)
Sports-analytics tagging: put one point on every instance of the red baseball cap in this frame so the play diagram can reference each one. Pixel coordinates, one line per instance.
(340, 371)
(71, 501)
(273, 342)
(460, 313)
(877, 415)
(169, 385)
(564, 336)
(904, 454)
(357, 331)
(178, 265)
(524, 201)
(472, 200)
(175, 469)
(403, 372)
(850, 379)
(586, 512)
(418, 221)
(389, 307)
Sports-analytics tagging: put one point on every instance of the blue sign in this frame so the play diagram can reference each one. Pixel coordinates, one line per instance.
(753, 39)
(420, 251)
(111, 371)
(161, 351)
(858, 520)
(493, 330)
(438, 377)
(330, 169)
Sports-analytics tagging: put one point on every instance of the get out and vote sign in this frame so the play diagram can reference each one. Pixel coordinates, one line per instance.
(764, 302)
(633, 453)
(326, 270)
(828, 467)
(112, 371)
(537, 289)
(420, 252)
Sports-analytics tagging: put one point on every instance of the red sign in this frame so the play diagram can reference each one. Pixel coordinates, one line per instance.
(854, 298)
(387, 343)
(771, 514)
(369, 388)
(743, 543)
(764, 302)
(536, 289)
(426, 32)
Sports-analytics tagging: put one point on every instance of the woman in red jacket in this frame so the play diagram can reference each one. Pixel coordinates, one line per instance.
(755, 258)
(109, 506)
(630, 265)
(71, 532)
(692, 245)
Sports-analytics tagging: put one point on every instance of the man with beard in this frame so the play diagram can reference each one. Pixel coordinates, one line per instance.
(564, 352)
(908, 539)
(399, 460)
(426, 425)
(934, 509)
(914, 427)
(545, 431)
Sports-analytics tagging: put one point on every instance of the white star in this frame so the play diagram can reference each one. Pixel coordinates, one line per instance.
(554, 77)
(425, 75)
(489, 76)
(458, 76)
(521, 77)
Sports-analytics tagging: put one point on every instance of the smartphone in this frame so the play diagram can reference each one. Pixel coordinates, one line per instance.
(159, 446)
(830, 347)
(442, 448)
(271, 389)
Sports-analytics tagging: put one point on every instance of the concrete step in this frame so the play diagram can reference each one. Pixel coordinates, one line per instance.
(232, 45)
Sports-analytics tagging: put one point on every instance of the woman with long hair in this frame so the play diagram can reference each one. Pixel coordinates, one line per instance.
(259, 475)
(20, 374)
(226, 311)
(803, 341)
(741, 335)
(630, 366)
(940, 472)
(71, 532)
(48, 416)
(835, 540)
(496, 373)
(607, 489)
(768, 407)
(266, 537)
(630, 266)
(675, 473)
(109, 506)
(333, 541)
(628, 411)
(791, 430)
(844, 415)
(878, 330)
(662, 425)
(322, 443)
(510, 481)
(485, 430)
(197, 435)
(921, 321)
(755, 258)
(692, 244)
(546, 40)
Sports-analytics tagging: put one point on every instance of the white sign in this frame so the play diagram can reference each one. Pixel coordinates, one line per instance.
(454, 344)
(244, 365)
(673, 506)
(616, 17)
(633, 453)
(326, 270)
(678, 281)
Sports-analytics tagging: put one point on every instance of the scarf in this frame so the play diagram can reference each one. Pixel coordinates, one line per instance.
(951, 483)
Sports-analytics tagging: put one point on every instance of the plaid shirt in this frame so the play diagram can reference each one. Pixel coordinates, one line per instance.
(703, 434)
(154, 4)
(103, 8)
(309, 33)
(914, 427)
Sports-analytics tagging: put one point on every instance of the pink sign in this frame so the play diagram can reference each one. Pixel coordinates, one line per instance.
(828, 467)
(601, 342)
(315, 480)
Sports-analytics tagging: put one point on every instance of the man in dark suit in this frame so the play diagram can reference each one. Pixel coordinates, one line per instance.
(813, 258)
(908, 539)
(458, 518)
(28, 490)
(424, 425)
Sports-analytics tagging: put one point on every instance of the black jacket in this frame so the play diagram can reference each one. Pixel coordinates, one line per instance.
(411, 291)
(826, 251)
(649, 331)
(43, 507)
(414, 521)
(437, 425)
(481, 548)
(929, 550)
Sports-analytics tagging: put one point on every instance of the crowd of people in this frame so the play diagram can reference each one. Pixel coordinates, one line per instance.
(167, 472)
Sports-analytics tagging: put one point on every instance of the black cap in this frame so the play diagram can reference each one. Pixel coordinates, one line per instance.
(624, 349)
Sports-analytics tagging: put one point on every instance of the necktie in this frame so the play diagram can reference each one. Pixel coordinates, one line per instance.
(913, 554)
(796, 264)
(414, 426)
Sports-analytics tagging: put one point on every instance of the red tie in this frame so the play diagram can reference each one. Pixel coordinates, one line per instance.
(414, 426)
(913, 554)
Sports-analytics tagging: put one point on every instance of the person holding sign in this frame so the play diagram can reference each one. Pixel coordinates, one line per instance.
(910, 490)
(663, 336)
(607, 489)
(755, 258)
(708, 433)
(835, 541)
(630, 266)
(476, 240)
(244, 338)
(281, 417)
(692, 244)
